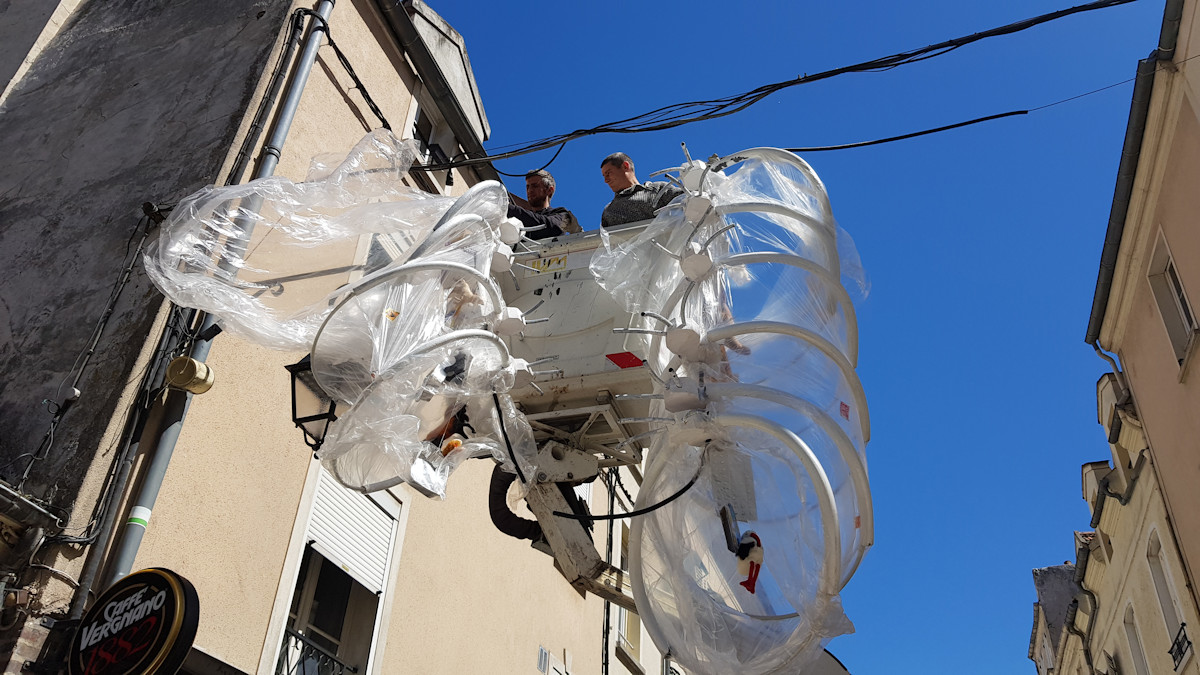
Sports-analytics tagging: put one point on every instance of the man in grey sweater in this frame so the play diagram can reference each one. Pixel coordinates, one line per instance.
(632, 200)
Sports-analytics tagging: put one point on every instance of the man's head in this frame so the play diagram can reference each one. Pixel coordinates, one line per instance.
(617, 170)
(539, 188)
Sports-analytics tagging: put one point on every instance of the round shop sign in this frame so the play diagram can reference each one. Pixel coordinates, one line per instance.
(145, 623)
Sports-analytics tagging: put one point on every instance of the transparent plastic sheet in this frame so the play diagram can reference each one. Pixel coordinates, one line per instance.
(776, 182)
(693, 584)
(637, 272)
(407, 348)
(383, 317)
(387, 285)
(513, 432)
(778, 343)
(265, 256)
(402, 426)
(825, 448)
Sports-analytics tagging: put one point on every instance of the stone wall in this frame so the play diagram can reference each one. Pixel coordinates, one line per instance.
(131, 101)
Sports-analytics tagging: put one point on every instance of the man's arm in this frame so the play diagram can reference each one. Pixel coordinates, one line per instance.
(550, 221)
(570, 223)
(519, 201)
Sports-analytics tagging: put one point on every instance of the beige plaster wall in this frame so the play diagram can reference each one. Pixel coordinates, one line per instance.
(472, 600)
(1125, 580)
(224, 516)
(1166, 404)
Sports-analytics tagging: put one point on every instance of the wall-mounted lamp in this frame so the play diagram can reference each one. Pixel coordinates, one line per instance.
(312, 409)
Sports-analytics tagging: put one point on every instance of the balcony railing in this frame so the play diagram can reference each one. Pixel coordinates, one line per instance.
(300, 656)
(1180, 646)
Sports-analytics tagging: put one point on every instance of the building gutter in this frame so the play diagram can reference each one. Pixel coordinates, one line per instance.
(396, 17)
(178, 402)
(1082, 556)
(1127, 170)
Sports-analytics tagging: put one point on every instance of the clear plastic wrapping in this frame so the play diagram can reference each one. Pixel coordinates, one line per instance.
(264, 257)
(390, 289)
(695, 587)
(407, 347)
(751, 264)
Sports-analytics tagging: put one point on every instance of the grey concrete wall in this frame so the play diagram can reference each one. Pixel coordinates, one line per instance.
(21, 21)
(449, 48)
(132, 101)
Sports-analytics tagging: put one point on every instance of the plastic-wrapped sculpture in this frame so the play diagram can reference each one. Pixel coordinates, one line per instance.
(739, 283)
(390, 289)
(718, 341)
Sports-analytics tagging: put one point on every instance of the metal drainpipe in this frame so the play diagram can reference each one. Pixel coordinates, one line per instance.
(1087, 652)
(1081, 555)
(1080, 570)
(178, 402)
(1085, 638)
(120, 473)
(1103, 492)
(608, 551)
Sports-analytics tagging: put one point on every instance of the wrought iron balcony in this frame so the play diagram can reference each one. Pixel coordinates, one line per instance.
(300, 656)
(1180, 646)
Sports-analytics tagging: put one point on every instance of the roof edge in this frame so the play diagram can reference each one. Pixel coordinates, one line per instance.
(1135, 132)
(398, 21)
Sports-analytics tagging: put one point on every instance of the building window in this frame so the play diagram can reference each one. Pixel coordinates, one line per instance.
(629, 625)
(432, 138)
(326, 622)
(1138, 655)
(1172, 302)
(1158, 573)
(423, 133)
(339, 594)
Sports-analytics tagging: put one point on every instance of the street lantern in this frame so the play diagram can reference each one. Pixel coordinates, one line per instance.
(312, 409)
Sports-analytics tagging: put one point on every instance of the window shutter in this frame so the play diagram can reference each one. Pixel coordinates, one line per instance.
(352, 531)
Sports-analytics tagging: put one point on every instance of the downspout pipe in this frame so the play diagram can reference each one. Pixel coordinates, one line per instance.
(608, 556)
(178, 402)
(1131, 151)
(1104, 492)
(1084, 637)
(120, 473)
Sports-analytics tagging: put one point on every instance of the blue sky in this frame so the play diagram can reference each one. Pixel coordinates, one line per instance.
(981, 245)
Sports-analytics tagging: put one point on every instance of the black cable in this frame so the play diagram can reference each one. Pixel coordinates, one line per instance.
(902, 137)
(349, 69)
(507, 443)
(639, 512)
(521, 175)
(616, 473)
(79, 367)
(260, 115)
(678, 114)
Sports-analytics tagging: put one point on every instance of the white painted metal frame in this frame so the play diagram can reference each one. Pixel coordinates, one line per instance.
(832, 576)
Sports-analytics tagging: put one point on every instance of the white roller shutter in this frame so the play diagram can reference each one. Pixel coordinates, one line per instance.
(352, 531)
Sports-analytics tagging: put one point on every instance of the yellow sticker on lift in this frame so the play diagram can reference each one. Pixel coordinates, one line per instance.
(552, 264)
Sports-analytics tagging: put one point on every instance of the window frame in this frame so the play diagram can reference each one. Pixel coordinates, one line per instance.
(1133, 636)
(1170, 297)
(396, 502)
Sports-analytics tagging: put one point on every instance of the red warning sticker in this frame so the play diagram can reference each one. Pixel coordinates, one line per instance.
(845, 409)
(625, 360)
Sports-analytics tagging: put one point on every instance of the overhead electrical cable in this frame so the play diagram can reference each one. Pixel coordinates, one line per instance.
(863, 144)
(678, 114)
(977, 120)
